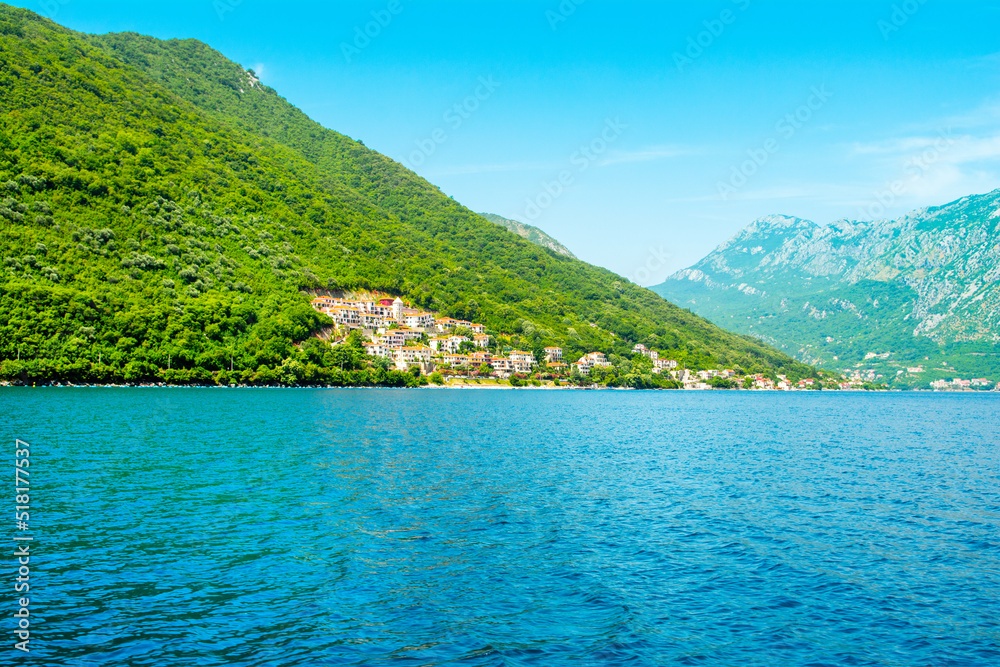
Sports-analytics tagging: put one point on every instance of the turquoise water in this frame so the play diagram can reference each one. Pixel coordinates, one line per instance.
(317, 527)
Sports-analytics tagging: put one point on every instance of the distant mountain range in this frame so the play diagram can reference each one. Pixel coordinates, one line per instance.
(912, 299)
(533, 234)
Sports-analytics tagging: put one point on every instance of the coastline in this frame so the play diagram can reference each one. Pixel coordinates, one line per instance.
(476, 387)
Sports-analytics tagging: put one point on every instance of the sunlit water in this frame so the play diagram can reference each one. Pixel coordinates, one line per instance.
(317, 527)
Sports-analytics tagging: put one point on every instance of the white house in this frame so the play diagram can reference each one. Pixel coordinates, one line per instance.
(450, 345)
(392, 338)
(412, 355)
(523, 366)
(418, 320)
(598, 359)
(589, 361)
(480, 358)
(523, 357)
(646, 352)
(446, 323)
(346, 315)
(458, 360)
(378, 350)
(503, 367)
(372, 321)
(660, 365)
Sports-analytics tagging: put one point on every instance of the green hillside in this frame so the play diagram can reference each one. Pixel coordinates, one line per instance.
(166, 217)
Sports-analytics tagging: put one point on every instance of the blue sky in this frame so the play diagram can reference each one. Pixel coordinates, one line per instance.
(640, 134)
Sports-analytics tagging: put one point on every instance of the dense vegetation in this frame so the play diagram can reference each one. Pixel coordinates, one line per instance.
(166, 217)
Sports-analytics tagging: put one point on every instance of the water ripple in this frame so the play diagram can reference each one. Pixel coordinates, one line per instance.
(260, 527)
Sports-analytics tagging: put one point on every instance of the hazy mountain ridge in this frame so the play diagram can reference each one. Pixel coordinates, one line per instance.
(529, 232)
(785, 279)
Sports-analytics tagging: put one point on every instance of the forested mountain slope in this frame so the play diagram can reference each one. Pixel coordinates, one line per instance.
(163, 211)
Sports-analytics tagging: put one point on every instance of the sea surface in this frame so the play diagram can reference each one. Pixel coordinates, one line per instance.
(378, 527)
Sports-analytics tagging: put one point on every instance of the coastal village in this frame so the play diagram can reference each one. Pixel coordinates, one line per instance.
(880, 368)
(413, 339)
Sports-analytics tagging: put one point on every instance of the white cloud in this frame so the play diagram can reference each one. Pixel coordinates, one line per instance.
(933, 168)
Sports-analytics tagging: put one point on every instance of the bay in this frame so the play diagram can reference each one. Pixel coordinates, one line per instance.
(377, 527)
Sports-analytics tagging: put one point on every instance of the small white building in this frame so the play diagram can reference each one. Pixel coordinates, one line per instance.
(412, 355)
(480, 358)
(346, 315)
(502, 367)
(372, 321)
(378, 350)
(449, 345)
(458, 360)
(660, 365)
(589, 361)
(523, 357)
(447, 323)
(418, 320)
(392, 338)
(523, 366)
